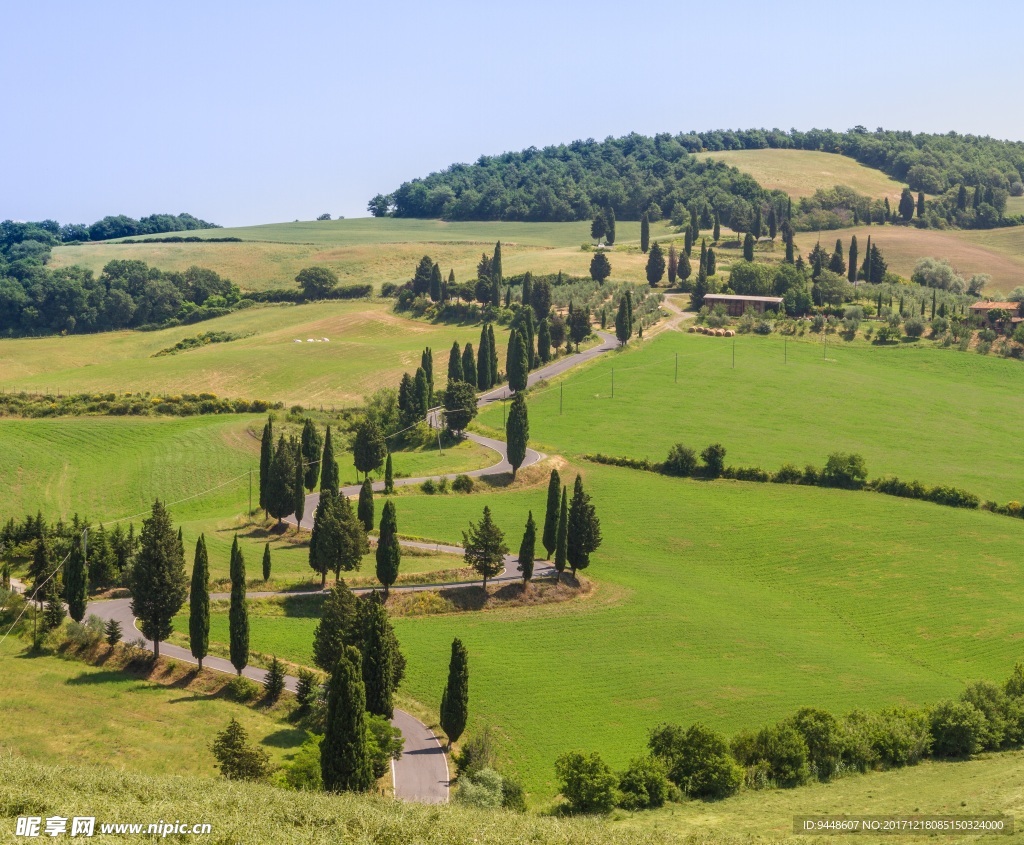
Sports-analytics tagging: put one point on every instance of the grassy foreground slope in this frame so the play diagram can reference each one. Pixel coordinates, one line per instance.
(369, 346)
(940, 416)
(801, 172)
(367, 250)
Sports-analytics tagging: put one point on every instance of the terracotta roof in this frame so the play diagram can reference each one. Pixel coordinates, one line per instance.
(734, 297)
(987, 306)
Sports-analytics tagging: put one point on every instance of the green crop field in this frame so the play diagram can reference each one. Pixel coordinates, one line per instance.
(368, 347)
(370, 250)
(731, 603)
(801, 172)
(938, 415)
(119, 721)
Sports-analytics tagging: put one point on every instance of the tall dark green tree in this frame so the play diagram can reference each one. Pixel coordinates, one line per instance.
(920, 204)
(338, 627)
(298, 487)
(368, 447)
(562, 534)
(455, 698)
(497, 275)
(851, 270)
(76, 580)
(421, 395)
(312, 446)
(435, 283)
(389, 550)
(517, 432)
(238, 612)
(673, 265)
(837, 263)
(345, 764)
(455, 363)
(748, 249)
(716, 231)
(655, 264)
(685, 271)
(378, 660)
(459, 406)
(266, 458)
(757, 228)
(609, 226)
(687, 241)
(421, 278)
(389, 476)
(281, 484)
(484, 547)
(550, 535)
(712, 262)
(579, 325)
(528, 549)
(527, 295)
(483, 362)
(597, 227)
(266, 562)
(517, 362)
(645, 233)
(623, 326)
(789, 251)
(199, 603)
(328, 466)
(540, 298)
(544, 341)
(773, 224)
(907, 205)
(157, 577)
(469, 365)
(694, 227)
(600, 266)
(364, 510)
(492, 352)
(427, 362)
(584, 529)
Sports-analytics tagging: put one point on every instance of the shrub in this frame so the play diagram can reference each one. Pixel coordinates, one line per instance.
(512, 796)
(586, 782)
(84, 634)
(484, 789)
(462, 484)
(389, 289)
(644, 784)
(475, 753)
(442, 485)
(784, 750)
(747, 474)
(900, 736)
(762, 327)
(429, 487)
(1014, 687)
(303, 773)
(939, 326)
(846, 470)
(953, 497)
(242, 689)
(823, 737)
(306, 690)
(236, 759)
(629, 463)
(681, 461)
(384, 743)
(859, 752)
(273, 682)
(957, 728)
(994, 705)
(788, 474)
(914, 327)
(714, 460)
(698, 760)
(812, 475)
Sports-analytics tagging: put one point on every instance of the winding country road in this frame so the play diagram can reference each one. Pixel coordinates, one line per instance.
(421, 774)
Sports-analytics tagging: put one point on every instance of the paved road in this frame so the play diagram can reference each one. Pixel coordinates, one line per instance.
(422, 772)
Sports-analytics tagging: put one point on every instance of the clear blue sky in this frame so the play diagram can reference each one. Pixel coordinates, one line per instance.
(257, 112)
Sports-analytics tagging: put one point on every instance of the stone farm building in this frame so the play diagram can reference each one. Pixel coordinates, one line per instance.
(737, 306)
(983, 310)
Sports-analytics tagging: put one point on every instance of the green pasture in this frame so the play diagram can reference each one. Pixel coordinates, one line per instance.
(915, 411)
(368, 347)
(727, 602)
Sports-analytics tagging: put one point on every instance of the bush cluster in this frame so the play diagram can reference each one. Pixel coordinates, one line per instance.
(953, 497)
(298, 296)
(128, 405)
(195, 341)
(812, 744)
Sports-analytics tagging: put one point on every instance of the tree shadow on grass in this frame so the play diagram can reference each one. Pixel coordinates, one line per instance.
(285, 738)
(107, 676)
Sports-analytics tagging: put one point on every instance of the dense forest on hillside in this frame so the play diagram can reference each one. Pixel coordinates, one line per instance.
(660, 175)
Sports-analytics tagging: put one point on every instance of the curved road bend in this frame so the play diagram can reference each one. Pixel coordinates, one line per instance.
(422, 772)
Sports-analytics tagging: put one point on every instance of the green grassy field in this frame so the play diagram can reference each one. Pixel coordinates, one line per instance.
(369, 347)
(729, 603)
(915, 411)
(801, 172)
(119, 721)
(370, 250)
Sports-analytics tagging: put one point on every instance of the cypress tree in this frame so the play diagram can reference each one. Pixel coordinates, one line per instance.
(712, 263)
(427, 362)
(344, 757)
(789, 208)
(328, 467)
(389, 476)
(837, 264)
(496, 271)
(238, 612)
(789, 251)
(920, 204)
(867, 261)
(773, 226)
(527, 297)
(266, 562)
(421, 394)
(157, 577)
(673, 266)
(961, 198)
(517, 432)
(199, 603)
(469, 365)
(544, 341)
(562, 534)
(584, 529)
(527, 549)
(540, 298)
(455, 363)
(484, 547)
(280, 486)
(684, 270)
(934, 297)
(266, 456)
(600, 267)
(298, 487)
(694, 228)
(851, 270)
(364, 510)
(655, 265)
(645, 233)
(757, 227)
(492, 352)
(483, 362)
(906, 206)
(515, 359)
(716, 232)
(888, 212)
(273, 681)
(378, 660)
(338, 626)
(389, 550)
(748, 249)
(455, 698)
(76, 581)
(687, 241)
(622, 328)
(435, 283)
(597, 226)
(703, 266)
(609, 227)
(550, 535)
(922, 307)
(312, 444)
(53, 613)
